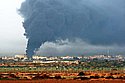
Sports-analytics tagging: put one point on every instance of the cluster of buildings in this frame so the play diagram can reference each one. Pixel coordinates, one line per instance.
(107, 57)
(56, 59)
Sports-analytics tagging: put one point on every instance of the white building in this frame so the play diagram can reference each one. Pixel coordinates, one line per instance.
(7, 57)
(38, 61)
(39, 57)
(21, 56)
(67, 57)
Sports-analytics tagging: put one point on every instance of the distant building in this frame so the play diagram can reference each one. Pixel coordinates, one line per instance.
(38, 61)
(67, 57)
(7, 58)
(39, 57)
(21, 56)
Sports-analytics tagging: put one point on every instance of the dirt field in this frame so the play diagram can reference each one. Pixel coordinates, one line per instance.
(62, 81)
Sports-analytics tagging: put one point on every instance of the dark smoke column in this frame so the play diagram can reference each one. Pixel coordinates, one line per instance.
(50, 20)
(38, 29)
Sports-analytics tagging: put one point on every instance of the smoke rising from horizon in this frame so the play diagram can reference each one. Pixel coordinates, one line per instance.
(77, 48)
(97, 22)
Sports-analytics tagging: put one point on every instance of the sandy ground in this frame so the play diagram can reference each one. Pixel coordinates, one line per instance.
(62, 81)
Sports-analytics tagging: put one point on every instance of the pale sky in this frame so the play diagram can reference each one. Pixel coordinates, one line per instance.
(12, 40)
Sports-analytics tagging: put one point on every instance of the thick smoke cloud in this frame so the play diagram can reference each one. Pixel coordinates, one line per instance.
(98, 22)
(77, 48)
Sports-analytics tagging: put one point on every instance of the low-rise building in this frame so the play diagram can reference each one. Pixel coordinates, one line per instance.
(21, 56)
(39, 57)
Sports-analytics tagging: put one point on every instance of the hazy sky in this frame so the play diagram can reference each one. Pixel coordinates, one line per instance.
(11, 32)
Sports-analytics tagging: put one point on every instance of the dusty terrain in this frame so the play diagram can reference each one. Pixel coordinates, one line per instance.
(62, 81)
(82, 77)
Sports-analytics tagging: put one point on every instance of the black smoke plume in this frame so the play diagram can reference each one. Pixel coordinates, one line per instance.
(98, 22)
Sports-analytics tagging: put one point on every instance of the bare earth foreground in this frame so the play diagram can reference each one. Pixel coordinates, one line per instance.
(62, 81)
